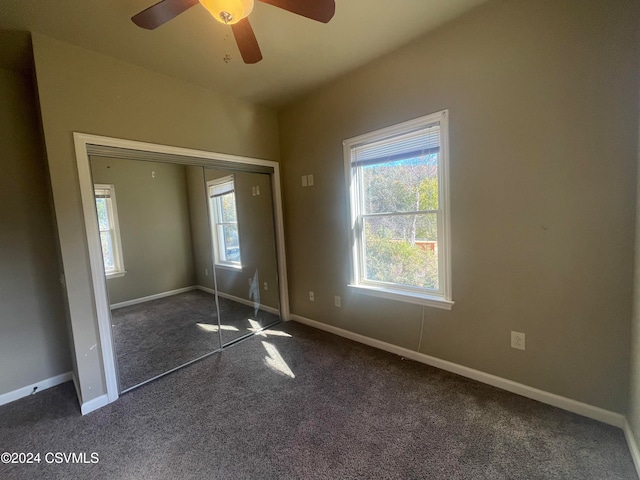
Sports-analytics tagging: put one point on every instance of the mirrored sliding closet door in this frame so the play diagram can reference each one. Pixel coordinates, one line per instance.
(189, 257)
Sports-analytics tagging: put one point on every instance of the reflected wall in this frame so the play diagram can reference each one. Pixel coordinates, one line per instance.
(155, 229)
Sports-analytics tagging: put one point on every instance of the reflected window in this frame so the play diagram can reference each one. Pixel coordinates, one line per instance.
(224, 221)
(109, 230)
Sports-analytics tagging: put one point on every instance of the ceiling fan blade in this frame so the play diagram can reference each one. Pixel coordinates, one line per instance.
(161, 12)
(319, 10)
(246, 40)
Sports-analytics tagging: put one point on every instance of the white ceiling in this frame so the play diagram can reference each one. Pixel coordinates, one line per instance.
(299, 54)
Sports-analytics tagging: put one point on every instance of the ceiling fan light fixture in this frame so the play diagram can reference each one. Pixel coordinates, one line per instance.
(228, 11)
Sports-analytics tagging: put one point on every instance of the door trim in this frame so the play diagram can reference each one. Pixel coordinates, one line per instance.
(84, 143)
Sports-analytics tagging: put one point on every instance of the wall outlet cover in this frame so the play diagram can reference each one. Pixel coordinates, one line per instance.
(517, 340)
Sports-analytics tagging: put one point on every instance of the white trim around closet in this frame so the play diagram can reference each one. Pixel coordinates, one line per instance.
(83, 142)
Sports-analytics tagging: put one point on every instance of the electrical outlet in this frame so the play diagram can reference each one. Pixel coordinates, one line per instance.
(206, 272)
(517, 340)
(266, 286)
(312, 297)
(337, 301)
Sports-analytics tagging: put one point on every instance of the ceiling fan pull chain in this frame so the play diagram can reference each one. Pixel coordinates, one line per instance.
(227, 55)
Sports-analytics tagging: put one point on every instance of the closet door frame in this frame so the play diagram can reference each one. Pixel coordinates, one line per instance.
(87, 144)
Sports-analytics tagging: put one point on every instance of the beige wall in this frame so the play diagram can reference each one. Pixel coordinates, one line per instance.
(83, 91)
(543, 102)
(34, 339)
(155, 229)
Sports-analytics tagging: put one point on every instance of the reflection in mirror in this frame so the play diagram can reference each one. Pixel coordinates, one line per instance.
(242, 249)
(161, 319)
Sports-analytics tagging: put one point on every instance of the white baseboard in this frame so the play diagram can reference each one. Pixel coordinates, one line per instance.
(156, 296)
(239, 300)
(95, 404)
(91, 405)
(39, 386)
(633, 446)
(206, 289)
(586, 410)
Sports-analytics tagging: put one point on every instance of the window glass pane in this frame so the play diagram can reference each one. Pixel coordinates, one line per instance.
(226, 228)
(103, 213)
(228, 208)
(231, 243)
(401, 186)
(402, 249)
(107, 251)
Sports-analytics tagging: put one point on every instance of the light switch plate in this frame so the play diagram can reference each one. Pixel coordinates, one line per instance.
(517, 340)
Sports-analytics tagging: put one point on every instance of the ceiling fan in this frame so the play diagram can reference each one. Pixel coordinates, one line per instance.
(235, 13)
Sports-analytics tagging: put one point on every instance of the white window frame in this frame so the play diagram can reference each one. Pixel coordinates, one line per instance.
(116, 242)
(214, 208)
(441, 298)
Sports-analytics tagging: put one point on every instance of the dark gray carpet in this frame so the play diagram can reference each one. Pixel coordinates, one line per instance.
(154, 337)
(350, 412)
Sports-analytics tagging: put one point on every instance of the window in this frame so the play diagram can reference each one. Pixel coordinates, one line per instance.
(224, 222)
(109, 230)
(398, 181)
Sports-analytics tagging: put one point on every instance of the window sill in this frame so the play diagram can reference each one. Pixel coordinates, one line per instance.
(226, 266)
(115, 274)
(420, 299)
